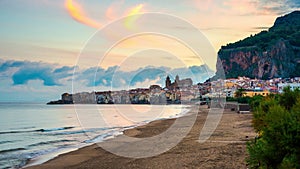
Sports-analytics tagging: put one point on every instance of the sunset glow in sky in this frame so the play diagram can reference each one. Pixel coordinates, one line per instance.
(47, 35)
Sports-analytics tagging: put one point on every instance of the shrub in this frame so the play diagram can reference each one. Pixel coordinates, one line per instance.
(278, 121)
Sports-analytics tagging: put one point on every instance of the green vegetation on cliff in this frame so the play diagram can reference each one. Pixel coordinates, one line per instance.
(286, 27)
(268, 54)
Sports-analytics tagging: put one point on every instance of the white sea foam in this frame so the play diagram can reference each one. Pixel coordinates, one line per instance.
(38, 133)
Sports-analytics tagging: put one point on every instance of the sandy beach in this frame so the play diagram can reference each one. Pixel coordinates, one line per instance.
(226, 148)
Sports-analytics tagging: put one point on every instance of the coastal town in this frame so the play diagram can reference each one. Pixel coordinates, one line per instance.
(150, 84)
(183, 91)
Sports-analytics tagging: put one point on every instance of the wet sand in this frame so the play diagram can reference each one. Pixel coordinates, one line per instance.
(226, 148)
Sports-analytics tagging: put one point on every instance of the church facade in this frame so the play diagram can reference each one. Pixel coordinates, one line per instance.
(177, 84)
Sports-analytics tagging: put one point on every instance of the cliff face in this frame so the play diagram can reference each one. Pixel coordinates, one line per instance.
(278, 61)
(269, 54)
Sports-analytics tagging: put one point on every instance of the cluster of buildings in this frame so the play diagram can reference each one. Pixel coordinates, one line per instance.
(183, 91)
(253, 87)
(179, 91)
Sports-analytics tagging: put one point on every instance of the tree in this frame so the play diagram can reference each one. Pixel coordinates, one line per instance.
(255, 101)
(278, 121)
(240, 93)
(289, 97)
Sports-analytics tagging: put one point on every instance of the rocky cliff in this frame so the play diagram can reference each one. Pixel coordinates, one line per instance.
(268, 54)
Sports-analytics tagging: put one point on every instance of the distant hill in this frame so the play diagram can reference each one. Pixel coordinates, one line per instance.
(268, 54)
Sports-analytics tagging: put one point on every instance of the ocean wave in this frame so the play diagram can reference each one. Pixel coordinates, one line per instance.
(103, 137)
(54, 129)
(38, 130)
(12, 149)
(20, 159)
(3, 142)
(91, 130)
(50, 142)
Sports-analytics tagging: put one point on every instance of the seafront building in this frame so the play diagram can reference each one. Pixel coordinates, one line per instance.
(183, 90)
(293, 86)
(255, 92)
(253, 87)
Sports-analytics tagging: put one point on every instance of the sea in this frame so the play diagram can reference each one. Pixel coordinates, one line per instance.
(33, 133)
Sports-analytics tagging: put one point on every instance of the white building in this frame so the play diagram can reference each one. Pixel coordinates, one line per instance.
(293, 86)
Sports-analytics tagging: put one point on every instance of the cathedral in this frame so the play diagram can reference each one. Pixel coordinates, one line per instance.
(188, 82)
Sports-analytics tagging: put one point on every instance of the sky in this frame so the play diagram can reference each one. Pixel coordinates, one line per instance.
(44, 41)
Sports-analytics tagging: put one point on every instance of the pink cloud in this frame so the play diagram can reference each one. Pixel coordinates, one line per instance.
(112, 11)
(78, 14)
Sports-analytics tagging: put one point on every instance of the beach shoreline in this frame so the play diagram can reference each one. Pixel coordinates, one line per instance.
(225, 149)
(39, 160)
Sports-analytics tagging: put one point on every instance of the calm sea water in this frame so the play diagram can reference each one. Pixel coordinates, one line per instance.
(39, 131)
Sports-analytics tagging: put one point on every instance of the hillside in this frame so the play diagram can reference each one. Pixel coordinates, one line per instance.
(268, 54)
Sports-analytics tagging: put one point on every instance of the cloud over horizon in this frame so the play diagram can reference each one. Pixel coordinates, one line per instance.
(117, 79)
(24, 71)
(279, 6)
(22, 74)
